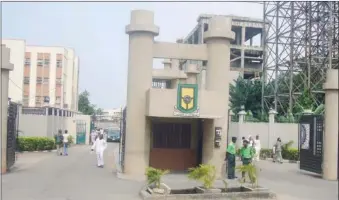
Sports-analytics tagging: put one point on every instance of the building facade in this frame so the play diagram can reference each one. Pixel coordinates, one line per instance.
(246, 58)
(43, 76)
(179, 125)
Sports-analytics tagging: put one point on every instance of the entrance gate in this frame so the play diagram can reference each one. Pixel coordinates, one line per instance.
(311, 143)
(81, 133)
(12, 132)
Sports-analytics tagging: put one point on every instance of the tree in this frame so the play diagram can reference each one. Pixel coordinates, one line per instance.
(246, 93)
(84, 105)
(98, 111)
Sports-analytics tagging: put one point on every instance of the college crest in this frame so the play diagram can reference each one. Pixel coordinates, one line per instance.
(187, 101)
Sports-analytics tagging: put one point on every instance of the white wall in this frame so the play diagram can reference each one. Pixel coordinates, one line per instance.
(17, 58)
(286, 131)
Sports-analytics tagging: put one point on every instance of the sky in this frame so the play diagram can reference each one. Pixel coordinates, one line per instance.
(96, 31)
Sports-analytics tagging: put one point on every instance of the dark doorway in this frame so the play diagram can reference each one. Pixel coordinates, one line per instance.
(172, 147)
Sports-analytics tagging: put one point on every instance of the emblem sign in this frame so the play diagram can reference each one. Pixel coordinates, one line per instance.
(305, 136)
(187, 101)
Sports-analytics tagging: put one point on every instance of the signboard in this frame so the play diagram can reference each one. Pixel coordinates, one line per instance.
(187, 101)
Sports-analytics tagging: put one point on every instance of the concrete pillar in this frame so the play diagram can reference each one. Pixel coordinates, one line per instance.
(241, 121)
(6, 67)
(141, 31)
(243, 40)
(218, 39)
(192, 72)
(330, 160)
(271, 127)
(167, 64)
(203, 77)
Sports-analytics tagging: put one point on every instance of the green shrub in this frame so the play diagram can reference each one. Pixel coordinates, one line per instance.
(204, 173)
(251, 171)
(35, 143)
(70, 140)
(290, 154)
(287, 154)
(266, 153)
(154, 176)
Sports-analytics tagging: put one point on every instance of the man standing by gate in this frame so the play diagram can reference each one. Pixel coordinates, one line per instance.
(230, 157)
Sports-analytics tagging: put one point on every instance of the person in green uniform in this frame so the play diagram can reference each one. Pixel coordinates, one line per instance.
(230, 157)
(246, 153)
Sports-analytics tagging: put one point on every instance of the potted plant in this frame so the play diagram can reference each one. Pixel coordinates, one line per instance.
(207, 175)
(154, 179)
(252, 172)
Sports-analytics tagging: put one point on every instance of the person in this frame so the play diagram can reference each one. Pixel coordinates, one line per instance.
(278, 149)
(246, 152)
(93, 136)
(242, 141)
(58, 142)
(99, 146)
(230, 157)
(257, 147)
(250, 140)
(66, 142)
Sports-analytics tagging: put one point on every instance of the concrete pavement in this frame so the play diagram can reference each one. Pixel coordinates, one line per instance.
(73, 177)
(45, 176)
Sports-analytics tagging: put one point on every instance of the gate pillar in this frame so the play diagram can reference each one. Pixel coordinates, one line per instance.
(6, 66)
(330, 160)
(141, 31)
(218, 39)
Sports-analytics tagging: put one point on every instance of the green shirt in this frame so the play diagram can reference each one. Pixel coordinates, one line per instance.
(247, 152)
(231, 148)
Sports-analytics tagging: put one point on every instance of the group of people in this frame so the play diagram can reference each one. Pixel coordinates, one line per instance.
(249, 151)
(99, 145)
(62, 142)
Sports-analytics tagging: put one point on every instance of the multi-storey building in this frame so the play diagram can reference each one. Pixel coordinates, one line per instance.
(43, 76)
(246, 58)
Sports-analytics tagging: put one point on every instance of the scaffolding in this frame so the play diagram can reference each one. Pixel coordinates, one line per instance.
(301, 42)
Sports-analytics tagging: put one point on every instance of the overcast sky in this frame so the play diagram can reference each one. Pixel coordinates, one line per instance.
(96, 32)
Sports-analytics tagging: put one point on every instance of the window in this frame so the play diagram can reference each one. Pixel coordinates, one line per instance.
(46, 80)
(40, 63)
(59, 63)
(27, 61)
(46, 61)
(204, 63)
(58, 81)
(205, 27)
(38, 99)
(38, 80)
(26, 80)
(57, 100)
(25, 100)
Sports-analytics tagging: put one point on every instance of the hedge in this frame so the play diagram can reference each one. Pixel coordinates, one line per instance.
(35, 143)
(287, 154)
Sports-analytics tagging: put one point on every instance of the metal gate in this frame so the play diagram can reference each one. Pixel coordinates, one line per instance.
(311, 143)
(81, 133)
(122, 140)
(11, 134)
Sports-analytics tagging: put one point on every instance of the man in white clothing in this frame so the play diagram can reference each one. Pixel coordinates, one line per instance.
(93, 136)
(100, 146)
(257, 147)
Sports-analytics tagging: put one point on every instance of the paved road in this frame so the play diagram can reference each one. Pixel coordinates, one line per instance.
(45, 176)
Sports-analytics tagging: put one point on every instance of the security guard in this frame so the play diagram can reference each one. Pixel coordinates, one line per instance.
(230, 157)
